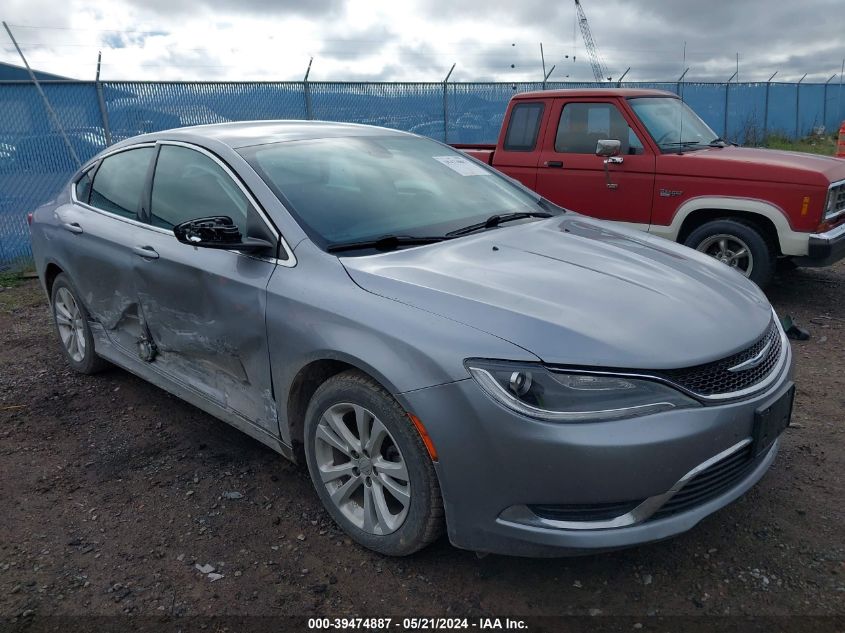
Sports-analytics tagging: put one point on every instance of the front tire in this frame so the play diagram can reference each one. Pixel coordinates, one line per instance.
(75, 336)
(370, 467)
(738, 244)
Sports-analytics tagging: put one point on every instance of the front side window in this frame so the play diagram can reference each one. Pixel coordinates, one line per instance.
(188, 185)
(119, 182)
(583, 125)
(523, 127)
(366, 187)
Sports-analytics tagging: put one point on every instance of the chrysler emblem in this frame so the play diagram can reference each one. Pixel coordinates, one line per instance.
(752, 362)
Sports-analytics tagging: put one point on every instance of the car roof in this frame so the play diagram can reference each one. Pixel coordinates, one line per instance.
(245, 133)
(596, 92)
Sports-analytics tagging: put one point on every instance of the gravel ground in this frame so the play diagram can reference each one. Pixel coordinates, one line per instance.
(117, 498)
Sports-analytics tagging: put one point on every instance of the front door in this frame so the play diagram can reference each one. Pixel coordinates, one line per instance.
(203, 309)
(571, 175)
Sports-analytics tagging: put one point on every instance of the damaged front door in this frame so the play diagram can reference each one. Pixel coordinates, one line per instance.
(203, 309)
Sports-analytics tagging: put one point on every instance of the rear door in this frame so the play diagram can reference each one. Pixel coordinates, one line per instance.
(571, 175)
(100, 227)
(203, 309)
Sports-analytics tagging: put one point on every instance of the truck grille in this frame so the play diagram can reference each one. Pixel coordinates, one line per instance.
(836, 202)
(710, 483)
(715, 378)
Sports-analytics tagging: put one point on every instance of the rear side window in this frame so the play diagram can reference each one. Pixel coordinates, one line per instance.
(523, 127)
(190, 185)
(119, 182)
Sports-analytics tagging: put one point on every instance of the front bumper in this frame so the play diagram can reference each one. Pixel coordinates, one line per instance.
(825, 248)
(495, 465)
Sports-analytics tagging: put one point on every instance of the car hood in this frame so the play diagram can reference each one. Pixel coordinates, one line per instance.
(749, 163)
(577, 291)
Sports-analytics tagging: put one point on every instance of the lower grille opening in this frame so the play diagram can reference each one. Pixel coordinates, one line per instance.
(710, 483)
(584, 511)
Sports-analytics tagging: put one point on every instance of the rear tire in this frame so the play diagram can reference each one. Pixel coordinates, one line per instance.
(739, 244)
(75, 336)
(382, 491)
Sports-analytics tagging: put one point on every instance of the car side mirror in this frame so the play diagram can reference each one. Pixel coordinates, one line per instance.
(608, 148)
(217, 232)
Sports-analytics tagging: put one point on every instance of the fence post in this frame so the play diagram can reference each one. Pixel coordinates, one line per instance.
(104, 113)
(727, 86)
(680, 79)
(798, 106)
(619, 81)
(306, 88)
(446, 105)
(824, 103)
(766, 109)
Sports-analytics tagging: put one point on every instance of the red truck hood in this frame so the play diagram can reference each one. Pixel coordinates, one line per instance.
(746, 163)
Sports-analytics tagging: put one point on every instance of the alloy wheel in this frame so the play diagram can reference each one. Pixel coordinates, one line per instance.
(71, 324)
(362, 468)
(730, 250)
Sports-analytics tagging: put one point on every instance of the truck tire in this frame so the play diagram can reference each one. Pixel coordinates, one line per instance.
(739, 244)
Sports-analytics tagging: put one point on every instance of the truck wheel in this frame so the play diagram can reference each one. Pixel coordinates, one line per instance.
(370, 467)
(738, 244)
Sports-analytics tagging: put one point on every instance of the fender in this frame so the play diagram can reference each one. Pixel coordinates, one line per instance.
(791, 242)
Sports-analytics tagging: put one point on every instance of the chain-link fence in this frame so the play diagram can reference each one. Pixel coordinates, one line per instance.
(35, 161)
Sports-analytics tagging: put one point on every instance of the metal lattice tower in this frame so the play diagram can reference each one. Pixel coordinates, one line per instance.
(599, 69)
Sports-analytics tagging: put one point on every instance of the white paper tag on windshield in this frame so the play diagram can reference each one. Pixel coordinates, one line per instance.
(461, 165)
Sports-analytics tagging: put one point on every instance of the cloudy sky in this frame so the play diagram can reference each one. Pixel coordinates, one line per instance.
(418, 40)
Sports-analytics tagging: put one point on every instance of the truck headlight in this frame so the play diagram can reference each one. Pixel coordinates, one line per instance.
(537, 392)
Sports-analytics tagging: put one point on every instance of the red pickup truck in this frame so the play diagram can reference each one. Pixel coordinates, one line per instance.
(645, 159)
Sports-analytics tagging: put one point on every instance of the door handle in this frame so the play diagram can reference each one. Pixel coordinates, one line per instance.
(554, 163)
(614, 160)
(72, 227)
(147, 252)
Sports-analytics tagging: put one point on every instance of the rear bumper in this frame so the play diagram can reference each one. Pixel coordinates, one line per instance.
(825, 248)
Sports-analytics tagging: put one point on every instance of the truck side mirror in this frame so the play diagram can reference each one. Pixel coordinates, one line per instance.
(608, 148)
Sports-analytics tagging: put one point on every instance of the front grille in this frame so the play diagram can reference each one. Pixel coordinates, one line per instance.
(709, 483)
(584, 512)
(713, 379)
(836, 204)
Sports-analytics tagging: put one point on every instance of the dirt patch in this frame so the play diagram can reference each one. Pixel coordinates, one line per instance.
(112, 492)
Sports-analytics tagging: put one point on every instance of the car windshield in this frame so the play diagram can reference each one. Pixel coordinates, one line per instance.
(672, 124)
(355, 189)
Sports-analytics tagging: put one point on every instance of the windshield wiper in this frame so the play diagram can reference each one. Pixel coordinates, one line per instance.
(495, 220)
(720, 142)
(384, 243)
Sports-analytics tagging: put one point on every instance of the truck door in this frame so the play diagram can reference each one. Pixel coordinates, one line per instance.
(571, 175)
(516, 153)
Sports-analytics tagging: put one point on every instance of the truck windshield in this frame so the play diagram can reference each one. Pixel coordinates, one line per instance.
(672, 124)
(356, 189)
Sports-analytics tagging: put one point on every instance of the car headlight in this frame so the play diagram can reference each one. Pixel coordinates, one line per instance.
(537, 392)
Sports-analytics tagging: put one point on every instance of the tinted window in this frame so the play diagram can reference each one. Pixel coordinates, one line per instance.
(83, 187)
(119, 182)
(523, 127)
(583, 125)
(190, 185)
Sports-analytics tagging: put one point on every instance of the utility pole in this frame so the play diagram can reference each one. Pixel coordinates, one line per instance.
(47, 105)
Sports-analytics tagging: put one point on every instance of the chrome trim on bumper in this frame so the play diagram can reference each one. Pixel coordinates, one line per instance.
(832, 234)
(523, 515)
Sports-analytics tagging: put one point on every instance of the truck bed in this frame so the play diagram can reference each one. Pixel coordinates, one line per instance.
(481, 151)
